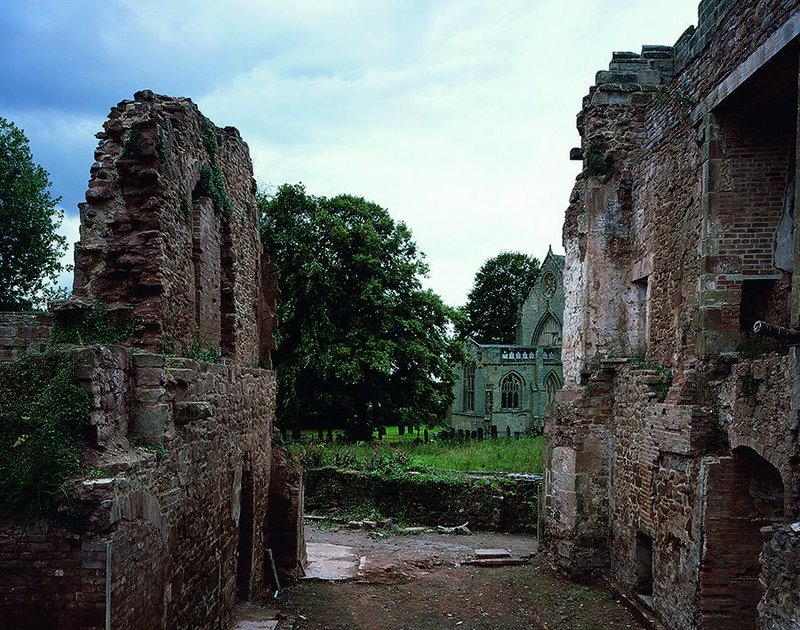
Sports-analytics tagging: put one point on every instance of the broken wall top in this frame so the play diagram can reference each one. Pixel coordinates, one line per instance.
(169, 232)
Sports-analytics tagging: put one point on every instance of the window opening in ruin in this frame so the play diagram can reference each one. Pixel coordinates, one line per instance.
(469, 387)
(756, 303)
(641, 315)
(488, 402)
(510, 390)
(227, 299)
(552, 385)
(206, 269)
(643, 559)
(244, 567)
(751, 144)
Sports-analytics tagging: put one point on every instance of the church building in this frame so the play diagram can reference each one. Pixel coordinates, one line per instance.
(503, 389)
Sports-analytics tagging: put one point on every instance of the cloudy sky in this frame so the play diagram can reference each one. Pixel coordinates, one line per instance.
(456, 115)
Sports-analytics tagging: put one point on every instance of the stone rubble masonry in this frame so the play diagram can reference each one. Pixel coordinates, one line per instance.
(21, 333)
(486, 503)
(168, 526)
(169, 231)
(780, 606)
(678, 235)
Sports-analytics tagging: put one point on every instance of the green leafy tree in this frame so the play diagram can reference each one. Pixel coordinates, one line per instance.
(501, 285)
(360, 343)
(30, 247)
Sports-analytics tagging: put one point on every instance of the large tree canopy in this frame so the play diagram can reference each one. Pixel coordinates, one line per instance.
(360, 343)
(501, 284)
(30, 247)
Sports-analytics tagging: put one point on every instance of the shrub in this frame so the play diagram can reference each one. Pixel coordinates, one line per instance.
(42, 416)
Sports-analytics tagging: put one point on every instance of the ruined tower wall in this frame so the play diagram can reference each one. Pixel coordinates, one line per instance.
(169, 230)
(671, 446)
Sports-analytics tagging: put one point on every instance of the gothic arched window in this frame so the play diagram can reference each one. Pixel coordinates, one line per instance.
(510, 391)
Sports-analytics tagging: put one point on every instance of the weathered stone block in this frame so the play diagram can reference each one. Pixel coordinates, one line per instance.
(150, 421)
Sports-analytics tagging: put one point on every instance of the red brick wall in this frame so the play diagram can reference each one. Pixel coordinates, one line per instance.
(51, 579)
(729, 589)
(749, 185)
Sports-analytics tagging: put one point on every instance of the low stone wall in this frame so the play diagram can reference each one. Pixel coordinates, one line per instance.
(21, 333)
(487, 503)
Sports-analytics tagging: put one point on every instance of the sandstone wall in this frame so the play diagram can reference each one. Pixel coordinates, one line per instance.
(176, 534)
(167, 526)
(169, 230)
(780, 606)
(680, 233)
(493, 504)
(21, 333)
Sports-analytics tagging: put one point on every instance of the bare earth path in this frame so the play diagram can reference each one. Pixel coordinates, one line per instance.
(419, 581)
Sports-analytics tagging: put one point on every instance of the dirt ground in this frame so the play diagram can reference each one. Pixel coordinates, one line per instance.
(419, 581)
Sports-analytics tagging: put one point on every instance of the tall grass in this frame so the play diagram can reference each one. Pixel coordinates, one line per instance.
(523, 455)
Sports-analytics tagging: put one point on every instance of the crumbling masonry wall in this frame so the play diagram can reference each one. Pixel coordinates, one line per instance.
(169, 231)
(168, 524)
(674, 443)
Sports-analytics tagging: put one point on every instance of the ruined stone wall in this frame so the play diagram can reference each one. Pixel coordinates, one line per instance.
(678, 236)
(170, 230)
(654, 449)
(577, 433)
(757, 410)
(167, 524)
(486, 503)
(170, 523)
(21, 333)
(780, 606)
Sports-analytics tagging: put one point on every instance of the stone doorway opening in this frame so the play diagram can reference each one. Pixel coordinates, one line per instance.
(643, 556)
(744, 493)
(244, 568)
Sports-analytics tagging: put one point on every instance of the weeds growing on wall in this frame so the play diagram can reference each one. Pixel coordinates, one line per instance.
(43, 412)
(198, 352)
(597, 164)
(94, 326)
(212, 181)
(640, 363)
(751, 347)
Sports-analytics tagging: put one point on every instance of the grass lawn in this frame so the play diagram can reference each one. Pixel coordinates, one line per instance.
(509, 455)
(398, 453)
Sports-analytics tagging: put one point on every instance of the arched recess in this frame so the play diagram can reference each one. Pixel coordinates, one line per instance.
(552, 383)
(206, 252)
(511, 391)
(744, 492)
(227, 298)
(547, 331)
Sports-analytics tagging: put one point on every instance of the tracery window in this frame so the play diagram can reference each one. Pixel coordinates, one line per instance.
(510, 391)
(469, 387)
(552, 385)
